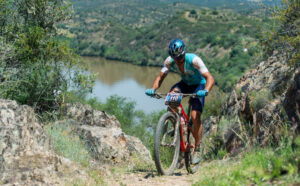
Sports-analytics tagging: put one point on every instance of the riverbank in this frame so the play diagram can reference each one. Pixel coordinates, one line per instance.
(128, 81)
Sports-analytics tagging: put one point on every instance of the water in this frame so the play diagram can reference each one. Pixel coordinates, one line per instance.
(127, 80)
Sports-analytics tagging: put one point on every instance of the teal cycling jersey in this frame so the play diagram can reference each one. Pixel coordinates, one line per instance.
(193, 68)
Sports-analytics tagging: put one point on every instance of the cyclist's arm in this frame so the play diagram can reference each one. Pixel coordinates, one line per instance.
(209, 80)
(200, 66)
(158, 80)
(162, 74)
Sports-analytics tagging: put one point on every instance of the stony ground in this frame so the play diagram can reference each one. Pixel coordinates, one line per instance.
(147, 176)
(150, 178)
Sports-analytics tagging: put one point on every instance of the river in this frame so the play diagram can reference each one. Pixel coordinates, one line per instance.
(127, 80)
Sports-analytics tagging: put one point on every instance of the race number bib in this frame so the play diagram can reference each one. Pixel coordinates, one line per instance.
(173, 99)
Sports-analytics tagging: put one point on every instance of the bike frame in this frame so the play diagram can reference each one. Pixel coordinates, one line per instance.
(186, 116)
(183, 143)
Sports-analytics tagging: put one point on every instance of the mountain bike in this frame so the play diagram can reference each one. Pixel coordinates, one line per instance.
(174, 135)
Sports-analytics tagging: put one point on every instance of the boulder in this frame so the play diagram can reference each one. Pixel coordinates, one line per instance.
(85, 115)
(26, 157)
(104, 137)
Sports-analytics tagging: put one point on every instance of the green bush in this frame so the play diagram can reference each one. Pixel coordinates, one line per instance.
(214, 103)
(215, 12)
(262, 166)
(38, 67)
(285, 38)
(259, 99)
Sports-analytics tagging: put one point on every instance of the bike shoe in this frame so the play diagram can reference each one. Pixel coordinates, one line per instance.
(180, 162)
(196, 156)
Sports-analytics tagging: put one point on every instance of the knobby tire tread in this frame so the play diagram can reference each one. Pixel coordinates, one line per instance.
(159, 128)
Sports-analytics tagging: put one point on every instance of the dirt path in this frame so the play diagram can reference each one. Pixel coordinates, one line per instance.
(150, 178)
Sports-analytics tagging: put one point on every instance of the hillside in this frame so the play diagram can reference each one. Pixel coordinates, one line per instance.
(225, 39)
(88, 147)
(52, 133)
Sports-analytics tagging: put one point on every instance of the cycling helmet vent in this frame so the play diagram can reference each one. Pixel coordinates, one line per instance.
(176, 48)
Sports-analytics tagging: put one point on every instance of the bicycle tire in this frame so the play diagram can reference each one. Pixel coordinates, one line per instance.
(162, 155)
(191, 168)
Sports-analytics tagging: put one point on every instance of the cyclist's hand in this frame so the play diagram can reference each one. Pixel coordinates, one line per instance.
(202, 93)
(150, 92)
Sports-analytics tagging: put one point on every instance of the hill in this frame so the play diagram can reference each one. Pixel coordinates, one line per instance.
(138, 33)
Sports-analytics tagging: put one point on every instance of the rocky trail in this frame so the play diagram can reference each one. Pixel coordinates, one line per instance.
(145, 178)
(180, 177)
(264, 97)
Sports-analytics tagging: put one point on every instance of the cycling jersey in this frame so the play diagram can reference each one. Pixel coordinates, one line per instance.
(193, 68)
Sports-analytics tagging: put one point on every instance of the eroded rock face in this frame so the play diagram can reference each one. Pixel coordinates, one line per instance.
(265, 97)
(104, 137)
(272, 84)
(291, 101)
(26, 157)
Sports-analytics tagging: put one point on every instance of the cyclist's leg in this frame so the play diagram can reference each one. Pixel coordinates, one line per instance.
(197, 133)
(197, 109)
(181, 88)
(197, 129)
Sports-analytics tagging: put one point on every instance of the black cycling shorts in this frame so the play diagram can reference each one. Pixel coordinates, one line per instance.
(197, 103)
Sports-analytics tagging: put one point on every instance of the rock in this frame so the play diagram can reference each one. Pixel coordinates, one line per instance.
(291, 101)
(263, 96)
(26, 157)
(85, 115)
(209, 125)
(136, 147)
(106, 144)
(104, 137)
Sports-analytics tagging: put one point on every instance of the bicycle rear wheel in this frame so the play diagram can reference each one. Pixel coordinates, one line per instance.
(190, 167)
(166, 144)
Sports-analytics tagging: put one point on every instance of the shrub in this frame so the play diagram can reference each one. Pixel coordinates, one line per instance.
(286, 37)
(214, 103)
(215, 12)
(39, 68)
(259, 99)
(66, 143)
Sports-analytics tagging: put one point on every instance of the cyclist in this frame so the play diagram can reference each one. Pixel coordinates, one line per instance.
(195, 78)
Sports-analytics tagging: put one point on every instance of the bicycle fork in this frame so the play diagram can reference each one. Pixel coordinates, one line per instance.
(175, 131)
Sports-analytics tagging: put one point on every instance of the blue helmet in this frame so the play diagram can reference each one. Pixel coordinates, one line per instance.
(176, 48)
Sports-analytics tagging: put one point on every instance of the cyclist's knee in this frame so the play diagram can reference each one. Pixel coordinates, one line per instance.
(196, 115)
(175, 89)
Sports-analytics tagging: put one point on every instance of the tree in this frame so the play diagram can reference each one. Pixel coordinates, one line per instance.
(193, 12)
(37, 67)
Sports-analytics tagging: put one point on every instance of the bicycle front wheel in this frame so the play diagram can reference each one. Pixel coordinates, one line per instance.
(166, 144)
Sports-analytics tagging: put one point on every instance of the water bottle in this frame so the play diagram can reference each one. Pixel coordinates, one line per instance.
(182, 120)
(184, 127)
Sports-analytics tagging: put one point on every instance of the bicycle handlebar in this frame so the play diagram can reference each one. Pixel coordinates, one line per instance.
(161, 95)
